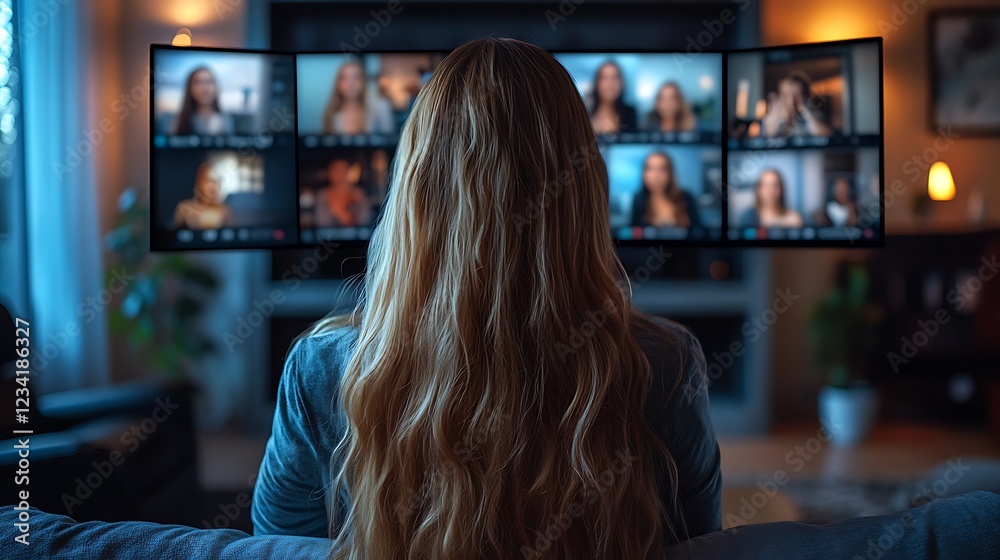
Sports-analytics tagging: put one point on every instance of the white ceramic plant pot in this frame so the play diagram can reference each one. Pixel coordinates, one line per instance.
(847, 414)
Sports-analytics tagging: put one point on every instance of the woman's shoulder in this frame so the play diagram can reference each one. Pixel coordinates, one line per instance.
(661, 334)
(314, 359)
(675, 355)
(328, 343)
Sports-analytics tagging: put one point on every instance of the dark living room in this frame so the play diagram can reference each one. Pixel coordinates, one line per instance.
(313, 278)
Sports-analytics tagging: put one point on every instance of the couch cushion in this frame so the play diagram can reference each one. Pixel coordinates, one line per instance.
(966, 526)
(58, 536)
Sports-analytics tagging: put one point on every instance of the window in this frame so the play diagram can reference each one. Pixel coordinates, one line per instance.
(13, 263)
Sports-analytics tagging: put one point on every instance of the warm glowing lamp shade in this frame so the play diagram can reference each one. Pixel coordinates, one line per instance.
(940, 183)
(183, 38)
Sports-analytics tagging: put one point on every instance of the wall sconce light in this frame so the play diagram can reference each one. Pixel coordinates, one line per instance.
(940, 183)
(182, 38)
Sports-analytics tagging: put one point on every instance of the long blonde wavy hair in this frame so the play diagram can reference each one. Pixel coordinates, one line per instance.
(494, 403)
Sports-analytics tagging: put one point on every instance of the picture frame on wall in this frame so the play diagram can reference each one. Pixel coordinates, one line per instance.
(964, 57)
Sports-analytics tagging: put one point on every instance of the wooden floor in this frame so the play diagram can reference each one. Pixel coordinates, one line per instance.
(889, 453)
(229, 460)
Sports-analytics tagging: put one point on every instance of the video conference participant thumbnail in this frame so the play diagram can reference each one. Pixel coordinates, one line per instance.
(810, 91)
(831, 193)
(665, 191)
(651, 93)
(341, 192)
(369, 94)
(222, 198)
(215, 93)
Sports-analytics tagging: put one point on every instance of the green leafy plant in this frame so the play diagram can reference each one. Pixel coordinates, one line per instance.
(842, 326)
(159, 312)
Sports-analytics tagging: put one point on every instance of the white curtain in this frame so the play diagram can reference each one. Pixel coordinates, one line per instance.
(62, 135)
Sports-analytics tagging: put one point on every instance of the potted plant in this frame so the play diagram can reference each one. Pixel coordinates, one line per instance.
(842, 326)
(160, 310)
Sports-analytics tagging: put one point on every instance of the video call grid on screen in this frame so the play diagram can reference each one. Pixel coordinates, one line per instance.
(223, 160)
(805, 145)
(667, 133)
(658, 120)
(351, 108)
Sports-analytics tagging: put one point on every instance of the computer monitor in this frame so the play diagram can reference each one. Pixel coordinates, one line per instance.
(805, 145)
(658, 120)
(780, 146)
(222, 155)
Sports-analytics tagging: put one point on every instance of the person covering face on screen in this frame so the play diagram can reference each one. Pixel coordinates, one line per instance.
(399, 81)
(206, 209)
(770, 210)
(608, 113)
(789, 112)
(671, 112)
(200, 113)
(350, 109)
(661, 202)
